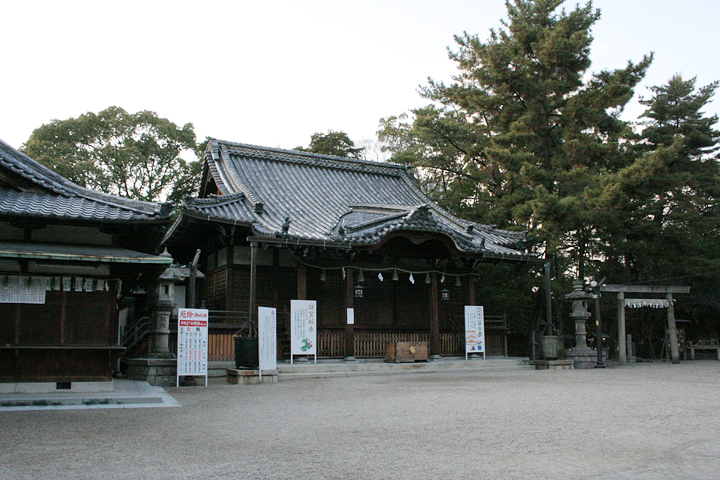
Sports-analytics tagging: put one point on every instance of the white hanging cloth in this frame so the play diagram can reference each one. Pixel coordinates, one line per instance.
(647, 302)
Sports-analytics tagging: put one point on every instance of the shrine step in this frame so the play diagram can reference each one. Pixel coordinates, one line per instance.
(328, 368)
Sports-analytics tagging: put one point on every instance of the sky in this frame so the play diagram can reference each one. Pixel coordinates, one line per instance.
(274, 72)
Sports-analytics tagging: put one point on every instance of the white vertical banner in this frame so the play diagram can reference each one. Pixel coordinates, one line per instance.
(351, 316)
(267, 339)
(303, 328)
(474, 330)
(192, 355)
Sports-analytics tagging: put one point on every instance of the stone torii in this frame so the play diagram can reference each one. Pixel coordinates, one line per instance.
(622, 302)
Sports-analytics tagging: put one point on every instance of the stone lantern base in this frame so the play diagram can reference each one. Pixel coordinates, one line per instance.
(155, 371)
(583, 356)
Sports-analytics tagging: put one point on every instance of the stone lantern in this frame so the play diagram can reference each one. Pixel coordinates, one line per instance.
(582, 355)
(163, 303)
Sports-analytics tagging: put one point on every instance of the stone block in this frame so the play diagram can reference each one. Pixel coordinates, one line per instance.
(553, 364)
(251, 377)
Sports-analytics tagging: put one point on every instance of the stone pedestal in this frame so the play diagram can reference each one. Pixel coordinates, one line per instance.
(155, 371)
(553, 364)
(583, 357)
(251, 377)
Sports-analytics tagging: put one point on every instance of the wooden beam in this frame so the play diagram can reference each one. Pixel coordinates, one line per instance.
(349, 303)
(302, 282)
(471, 289)
(253, 282)
(435, 317)
(644, 289)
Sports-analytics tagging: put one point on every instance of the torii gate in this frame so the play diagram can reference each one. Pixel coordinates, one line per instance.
(622, 302)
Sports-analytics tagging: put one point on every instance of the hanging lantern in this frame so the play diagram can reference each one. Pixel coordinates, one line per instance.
(445, 294)
(457, 281)
(395, 276)
(322, 276)
(427, 278)
(361, 277)
(358, 291)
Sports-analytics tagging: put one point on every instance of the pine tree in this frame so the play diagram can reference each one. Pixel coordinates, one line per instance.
(664, 209)
(521, 134)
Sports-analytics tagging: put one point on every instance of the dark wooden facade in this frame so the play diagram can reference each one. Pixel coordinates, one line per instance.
(275, 225)
(85, 249)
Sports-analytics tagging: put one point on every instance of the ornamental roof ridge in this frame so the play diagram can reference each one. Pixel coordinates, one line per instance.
(214, 200)
(54, 183)
(316, 159)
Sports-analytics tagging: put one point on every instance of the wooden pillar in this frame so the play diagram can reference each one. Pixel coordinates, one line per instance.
(471, 289)
(253, 283)
(435, 317)
(302, 283)
(349, 328)
(672, 330)
(622, 346)
(276, 276)
(229, 295)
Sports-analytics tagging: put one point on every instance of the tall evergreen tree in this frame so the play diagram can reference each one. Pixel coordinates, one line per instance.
(665, 207)
(523, 131)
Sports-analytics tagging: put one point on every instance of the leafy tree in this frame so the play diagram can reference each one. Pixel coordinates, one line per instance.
(136, 155)
(332, 143)
(523, 132)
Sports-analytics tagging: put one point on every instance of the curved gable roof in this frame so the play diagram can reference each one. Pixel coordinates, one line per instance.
(29, 188)
(302, 195)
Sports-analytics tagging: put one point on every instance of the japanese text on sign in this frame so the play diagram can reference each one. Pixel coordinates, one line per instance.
(474, 329)
(303, 327)
(192, 353)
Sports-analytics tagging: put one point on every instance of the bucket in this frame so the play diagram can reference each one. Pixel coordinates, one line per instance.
(246, 352)
(552, 346)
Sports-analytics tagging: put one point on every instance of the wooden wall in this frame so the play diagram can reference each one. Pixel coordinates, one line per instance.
(71, 337)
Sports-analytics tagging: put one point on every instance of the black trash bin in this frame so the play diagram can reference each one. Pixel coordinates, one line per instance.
(246, 352)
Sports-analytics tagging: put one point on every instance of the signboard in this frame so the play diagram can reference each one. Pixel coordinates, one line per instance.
(192, 352)
(351, 316)
(267, 339)
(303, 328)
(474, 330)
(19, 289)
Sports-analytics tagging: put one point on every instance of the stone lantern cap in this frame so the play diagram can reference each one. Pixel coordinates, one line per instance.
(578, 293)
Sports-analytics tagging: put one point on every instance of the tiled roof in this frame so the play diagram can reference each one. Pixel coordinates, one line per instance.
(300, 195)
(44, 193)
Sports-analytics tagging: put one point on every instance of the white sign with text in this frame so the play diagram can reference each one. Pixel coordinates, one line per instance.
(267, 339)
(303, 328)
(192, 354)
(474, 330)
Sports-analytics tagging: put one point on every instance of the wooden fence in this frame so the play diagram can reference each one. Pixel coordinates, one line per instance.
(221, 346)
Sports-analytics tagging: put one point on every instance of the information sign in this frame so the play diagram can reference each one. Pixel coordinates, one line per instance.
(303, 328)
(192, 352)
(474, 330)
(267, 339)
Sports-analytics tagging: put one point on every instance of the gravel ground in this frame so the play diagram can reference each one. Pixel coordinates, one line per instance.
(645, 421)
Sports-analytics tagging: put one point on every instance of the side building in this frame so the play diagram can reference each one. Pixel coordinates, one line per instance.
(67, 254)
(275, 225)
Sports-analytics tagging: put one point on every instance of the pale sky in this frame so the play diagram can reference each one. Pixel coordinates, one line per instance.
(272, 73)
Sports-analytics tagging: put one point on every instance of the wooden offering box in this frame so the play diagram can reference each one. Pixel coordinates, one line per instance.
(406, 352)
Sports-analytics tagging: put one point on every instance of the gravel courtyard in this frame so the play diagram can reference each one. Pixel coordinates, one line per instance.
(644, 421)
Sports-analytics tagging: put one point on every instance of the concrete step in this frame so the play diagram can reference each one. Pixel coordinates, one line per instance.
(338, 368)
(125, 394)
